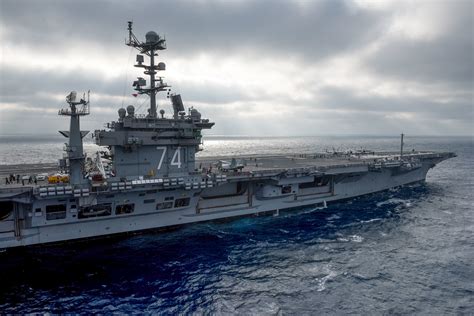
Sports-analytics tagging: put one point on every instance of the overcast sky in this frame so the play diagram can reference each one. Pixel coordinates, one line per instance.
(253, 67)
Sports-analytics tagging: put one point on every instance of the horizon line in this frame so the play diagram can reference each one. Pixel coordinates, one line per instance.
(279, 136)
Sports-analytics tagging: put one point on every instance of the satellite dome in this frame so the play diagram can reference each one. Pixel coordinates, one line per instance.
(121, 113)
(130, 110)
(195, 115)
(151, 37)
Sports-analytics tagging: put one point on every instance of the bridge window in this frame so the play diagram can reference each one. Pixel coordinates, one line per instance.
(56, 211)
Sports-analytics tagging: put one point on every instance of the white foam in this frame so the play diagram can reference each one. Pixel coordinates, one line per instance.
(353, 238)
(371, 220)
(333, 217)
(323, 280)
(394, 201)
(356, 238)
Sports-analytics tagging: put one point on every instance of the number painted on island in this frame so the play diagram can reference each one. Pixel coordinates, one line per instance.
(163, 148)
(176, 161)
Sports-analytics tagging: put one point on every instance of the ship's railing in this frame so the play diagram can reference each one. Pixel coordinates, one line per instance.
(84, 110)
(309, 155)
(141, 118)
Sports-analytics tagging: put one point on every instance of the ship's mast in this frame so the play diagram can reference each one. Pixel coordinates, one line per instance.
(401, 145)
(150, 47)
(74, 149)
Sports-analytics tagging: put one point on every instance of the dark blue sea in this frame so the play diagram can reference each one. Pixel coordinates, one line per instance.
(405, 251)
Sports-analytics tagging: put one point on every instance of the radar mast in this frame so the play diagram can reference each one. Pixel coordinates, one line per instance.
(74, 149)
(153, 43)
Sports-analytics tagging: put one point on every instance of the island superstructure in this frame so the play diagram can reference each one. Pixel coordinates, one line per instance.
(153, 180)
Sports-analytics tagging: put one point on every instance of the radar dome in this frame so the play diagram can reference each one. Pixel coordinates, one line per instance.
(122, 113)
(131, 110)
(151, 37)
(195, 115)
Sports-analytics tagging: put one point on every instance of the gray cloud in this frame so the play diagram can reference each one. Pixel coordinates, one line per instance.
(448, 58)
(282, 31)
(343, 100)
(19, 84)
(315, 30)
(22, 87)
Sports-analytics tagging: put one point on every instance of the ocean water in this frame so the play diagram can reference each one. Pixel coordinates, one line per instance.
(405, 251)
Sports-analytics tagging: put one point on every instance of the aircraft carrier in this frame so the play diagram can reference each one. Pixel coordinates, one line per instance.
(148, 176)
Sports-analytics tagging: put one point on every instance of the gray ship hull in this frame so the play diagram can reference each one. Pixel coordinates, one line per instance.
(156, 205)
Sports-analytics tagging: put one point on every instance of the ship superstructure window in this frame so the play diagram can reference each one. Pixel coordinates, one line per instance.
(240, 187)
(318, 182)
(164, 205)
(322, 181)
(104, 209)
(286, 189)
(56, 211)
(124, 209)
(149, 201)
(181, 202)
(6, 209)
(169, 198)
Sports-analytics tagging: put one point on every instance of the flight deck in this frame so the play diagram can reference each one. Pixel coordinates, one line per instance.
(233, 165)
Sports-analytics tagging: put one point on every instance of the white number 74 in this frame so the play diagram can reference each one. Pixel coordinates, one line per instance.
(176, 161)
(162, 156)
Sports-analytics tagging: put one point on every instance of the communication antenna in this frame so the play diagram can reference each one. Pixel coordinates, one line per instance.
(401, 145)
(74, 109)
(153, 43)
